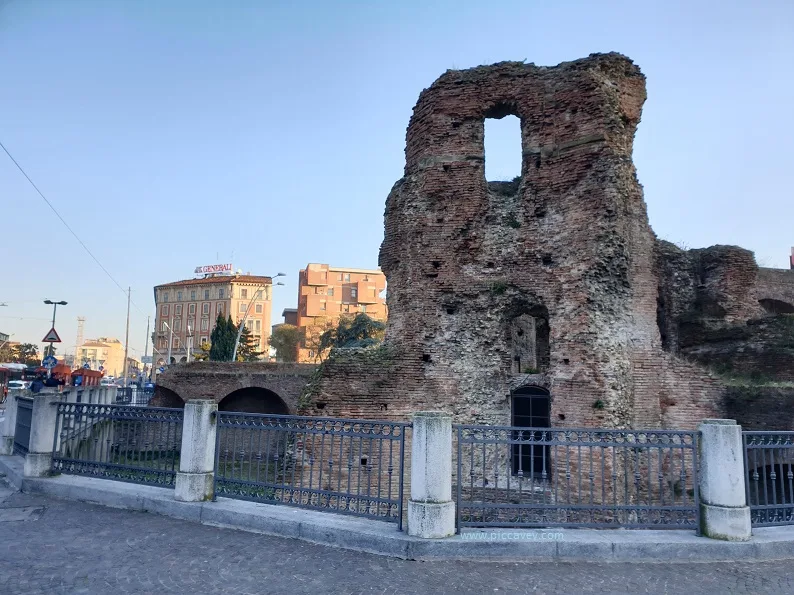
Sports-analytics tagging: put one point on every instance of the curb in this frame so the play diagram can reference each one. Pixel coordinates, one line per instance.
(382, 538)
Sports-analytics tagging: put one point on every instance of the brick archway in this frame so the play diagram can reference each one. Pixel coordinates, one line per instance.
(254, 399)
(251, 381)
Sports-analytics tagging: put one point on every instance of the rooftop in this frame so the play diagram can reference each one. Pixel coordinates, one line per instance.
(259, 280)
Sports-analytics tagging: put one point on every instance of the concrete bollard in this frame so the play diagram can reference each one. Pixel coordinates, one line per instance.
(38, 461)
(9, 425)
(431, 511)
(724, 513)
(195, 481)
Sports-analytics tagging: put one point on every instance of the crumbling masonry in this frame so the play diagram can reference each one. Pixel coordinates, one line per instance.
(556, 279)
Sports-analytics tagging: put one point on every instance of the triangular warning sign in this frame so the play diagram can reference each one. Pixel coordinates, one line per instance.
(51, 337)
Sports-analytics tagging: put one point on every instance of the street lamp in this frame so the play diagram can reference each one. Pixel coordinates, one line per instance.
(54, 309)
(248, 309)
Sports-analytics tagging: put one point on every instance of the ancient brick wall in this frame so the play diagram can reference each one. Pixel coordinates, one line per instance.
(764, 408)
(775, 288)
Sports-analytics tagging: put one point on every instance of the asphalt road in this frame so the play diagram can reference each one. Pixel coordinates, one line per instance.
(54, 546)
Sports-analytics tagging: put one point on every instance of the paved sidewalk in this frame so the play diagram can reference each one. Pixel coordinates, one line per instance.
(58, 546)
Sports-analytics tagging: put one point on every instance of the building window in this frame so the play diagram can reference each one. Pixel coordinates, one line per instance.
(339, 277)
(191, 309)
(205, 324)
(164, 311)
(347, 277)
(331, 291)
(162, 343)
(178, 310)
(179, 296)
(219, 308)
(347, 308)
(243, 308)
(193, 294)
(177, 324)
(175, 343)
(206, 294)
(165, 296)
(205, 308)
(322, 305)
(363, 307)
(258, 308)
(258, 325)
(354, 293)
(165, 326)
(244, 294)
(220, 293)
(204, 340)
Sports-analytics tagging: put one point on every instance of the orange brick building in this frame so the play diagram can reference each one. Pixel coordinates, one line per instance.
(325, 293)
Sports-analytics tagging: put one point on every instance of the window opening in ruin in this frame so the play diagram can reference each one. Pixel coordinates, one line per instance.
(502, 150)
(772, 306)
(531, 409)
(529, 342)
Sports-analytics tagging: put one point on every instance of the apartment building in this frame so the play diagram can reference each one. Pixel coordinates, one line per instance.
(187, 311)
(325, 293)
(104, 352)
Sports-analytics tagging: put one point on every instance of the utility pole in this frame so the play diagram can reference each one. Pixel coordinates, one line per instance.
(145, 351)
(127, 339)
(79, 341)
(54, 309)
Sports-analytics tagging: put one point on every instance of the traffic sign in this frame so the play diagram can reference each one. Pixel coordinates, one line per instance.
(49, 362)
(51, 337)
(87, 366)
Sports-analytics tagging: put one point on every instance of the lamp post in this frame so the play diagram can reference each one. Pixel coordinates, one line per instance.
(54, 309)
(248, 309)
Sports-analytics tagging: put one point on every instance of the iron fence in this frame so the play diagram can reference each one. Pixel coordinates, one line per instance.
(350, 466)
(768, 459)
(132, 395)
(22, 428)
(134, 444)
(541, 477)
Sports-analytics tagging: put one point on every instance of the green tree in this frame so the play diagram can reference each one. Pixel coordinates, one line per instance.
(25, 353)
(50, 349)
(222, 339)
(286, 340)
(360, 331)
(246, 350)
(203, 353)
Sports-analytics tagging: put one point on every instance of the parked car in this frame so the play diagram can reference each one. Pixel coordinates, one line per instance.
(18, 384)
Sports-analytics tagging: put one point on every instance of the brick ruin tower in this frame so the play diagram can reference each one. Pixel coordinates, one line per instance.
(549, 284)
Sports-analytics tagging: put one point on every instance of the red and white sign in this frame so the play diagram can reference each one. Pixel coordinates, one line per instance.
(214, 268)
(51, 337)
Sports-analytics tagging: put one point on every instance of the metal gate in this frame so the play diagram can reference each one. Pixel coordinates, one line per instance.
(542, 477)
(769, 465)
(22, 429)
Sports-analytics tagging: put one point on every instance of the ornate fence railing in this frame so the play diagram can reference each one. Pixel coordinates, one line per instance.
(133, 396)
(540, 477)
(134, 444)
(23, 423)
(349, 466)
(769, 464)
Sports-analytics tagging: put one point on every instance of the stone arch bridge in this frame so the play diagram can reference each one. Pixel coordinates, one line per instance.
(253, 387)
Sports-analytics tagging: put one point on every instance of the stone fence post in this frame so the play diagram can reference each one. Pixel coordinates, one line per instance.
(195, 481)
(724, 513)
(431, 511)
(9, 425)
(38, 461)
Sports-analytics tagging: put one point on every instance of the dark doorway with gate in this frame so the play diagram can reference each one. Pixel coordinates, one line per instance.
(531, 408)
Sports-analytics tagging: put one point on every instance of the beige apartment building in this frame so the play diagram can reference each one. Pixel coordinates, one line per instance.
(325, 293)
(187, 311)
(104, 352)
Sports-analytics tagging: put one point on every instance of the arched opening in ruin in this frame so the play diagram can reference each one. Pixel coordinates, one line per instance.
(254, 399)
(165, 397)
(502, 149)
(772, 306)
(531, 408)
(529, 341)
(183, 360)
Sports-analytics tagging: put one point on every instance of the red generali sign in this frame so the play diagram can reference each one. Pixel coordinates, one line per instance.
(214, 268)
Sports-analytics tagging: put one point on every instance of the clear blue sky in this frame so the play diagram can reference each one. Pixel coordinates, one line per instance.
(172, 134)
